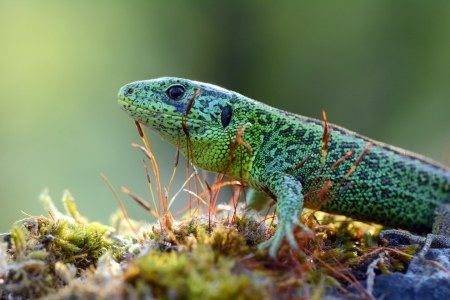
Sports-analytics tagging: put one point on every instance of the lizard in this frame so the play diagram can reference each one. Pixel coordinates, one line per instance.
(281, 154)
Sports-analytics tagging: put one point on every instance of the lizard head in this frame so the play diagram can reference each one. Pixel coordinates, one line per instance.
(192, 114)
(162, 103)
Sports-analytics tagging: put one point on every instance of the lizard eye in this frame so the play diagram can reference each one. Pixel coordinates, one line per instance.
(175, 92)
(225, 116)
(130, 91)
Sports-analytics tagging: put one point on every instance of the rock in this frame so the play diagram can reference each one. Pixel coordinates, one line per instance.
(423, 280)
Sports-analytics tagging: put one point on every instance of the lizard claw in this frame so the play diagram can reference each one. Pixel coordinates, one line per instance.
(284, 230)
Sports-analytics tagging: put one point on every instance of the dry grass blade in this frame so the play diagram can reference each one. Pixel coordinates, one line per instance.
(122, 207)
(302, 162)
(188, 109)
(325, 137)
(151, 158)
(358, 160)
(355, 283)
(140, 201)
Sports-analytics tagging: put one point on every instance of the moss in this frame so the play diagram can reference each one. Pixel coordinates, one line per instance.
(42, 257)
(212, 256)
(197, 274)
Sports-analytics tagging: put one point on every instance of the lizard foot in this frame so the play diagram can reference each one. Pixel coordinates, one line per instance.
(431, 241)
(284, 230)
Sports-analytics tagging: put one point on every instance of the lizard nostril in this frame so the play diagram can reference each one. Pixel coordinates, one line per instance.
(130, 91)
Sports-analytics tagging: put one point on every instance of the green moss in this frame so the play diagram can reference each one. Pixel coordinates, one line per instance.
(199, 274)
(211, 256)
(48, 247)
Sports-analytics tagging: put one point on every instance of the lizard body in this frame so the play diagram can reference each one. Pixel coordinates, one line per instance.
(390, 186)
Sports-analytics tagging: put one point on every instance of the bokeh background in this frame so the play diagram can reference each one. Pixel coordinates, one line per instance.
(381, 68)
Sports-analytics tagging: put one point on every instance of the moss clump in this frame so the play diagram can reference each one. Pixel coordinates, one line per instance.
(51, 253)
(231, 227)
(198, 274)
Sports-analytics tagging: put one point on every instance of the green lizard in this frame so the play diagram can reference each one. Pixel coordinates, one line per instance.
(283, 155)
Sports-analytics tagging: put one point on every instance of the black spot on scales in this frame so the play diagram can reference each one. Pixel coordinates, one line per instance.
(423, 179)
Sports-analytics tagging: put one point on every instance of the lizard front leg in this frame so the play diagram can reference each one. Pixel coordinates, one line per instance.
(288, 192)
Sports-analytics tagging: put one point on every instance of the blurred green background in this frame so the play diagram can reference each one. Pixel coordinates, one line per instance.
(381, 68)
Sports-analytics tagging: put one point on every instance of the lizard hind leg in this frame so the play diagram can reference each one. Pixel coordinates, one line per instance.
(441, 225)
(440, 238)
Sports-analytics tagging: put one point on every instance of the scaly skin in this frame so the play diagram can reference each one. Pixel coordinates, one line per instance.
(389, 186)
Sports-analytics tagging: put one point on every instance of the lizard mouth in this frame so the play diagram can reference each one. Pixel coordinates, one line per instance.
(142, 115)
(134, 110)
